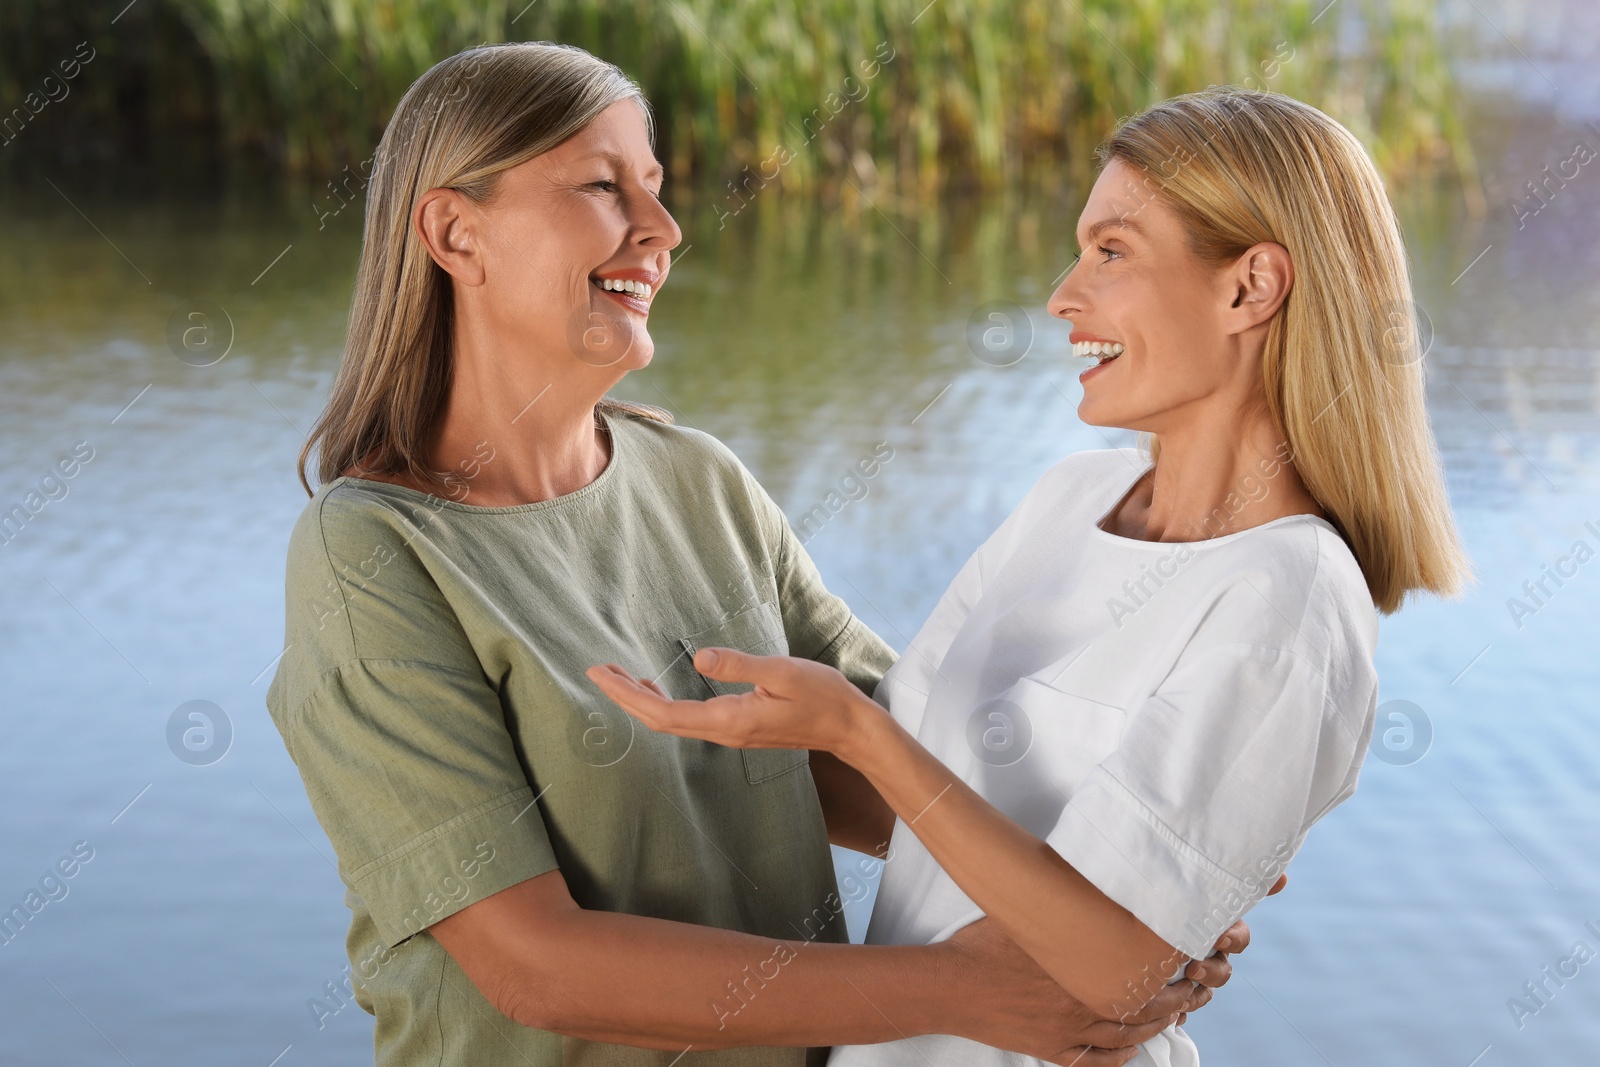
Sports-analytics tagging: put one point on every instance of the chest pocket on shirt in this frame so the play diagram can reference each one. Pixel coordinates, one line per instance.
(1067, 735)
(757, 630)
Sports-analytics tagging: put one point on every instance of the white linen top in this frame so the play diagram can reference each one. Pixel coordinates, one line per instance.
(1171, 717)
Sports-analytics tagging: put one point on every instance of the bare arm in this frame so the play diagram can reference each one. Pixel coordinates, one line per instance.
(1097, 950)
(858, 817)
(855, 813)
(545, 962)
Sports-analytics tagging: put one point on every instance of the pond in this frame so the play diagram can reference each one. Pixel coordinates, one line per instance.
(204, 912)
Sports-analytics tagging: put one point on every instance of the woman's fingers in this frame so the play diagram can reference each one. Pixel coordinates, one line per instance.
(1199, 998)
(1235, 938)
(1115, 1035)
(617, 683)
(707, 720)
(731, 665)
(645, 701)
(1214, 971)
(1180, 996)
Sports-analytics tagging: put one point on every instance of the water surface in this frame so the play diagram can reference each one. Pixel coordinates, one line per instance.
(210, 912)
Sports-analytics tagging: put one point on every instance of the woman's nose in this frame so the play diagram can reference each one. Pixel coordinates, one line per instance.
(1067, 300)
(655, 228)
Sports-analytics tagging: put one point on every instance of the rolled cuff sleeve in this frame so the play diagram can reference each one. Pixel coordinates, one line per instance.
(1115, 841)
(461, 862)
(414, 777)
(1218, 778)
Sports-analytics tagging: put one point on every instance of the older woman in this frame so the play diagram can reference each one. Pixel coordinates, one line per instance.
(1141, 692)
(531, 879)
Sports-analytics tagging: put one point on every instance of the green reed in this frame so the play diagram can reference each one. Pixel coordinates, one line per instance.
(898, 95)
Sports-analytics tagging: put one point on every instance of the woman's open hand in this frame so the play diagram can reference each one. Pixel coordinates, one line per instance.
(796, 703)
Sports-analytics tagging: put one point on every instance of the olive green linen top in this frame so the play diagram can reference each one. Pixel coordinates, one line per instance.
(432, 695)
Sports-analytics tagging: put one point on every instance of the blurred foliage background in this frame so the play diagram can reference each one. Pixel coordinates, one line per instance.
(906, 96)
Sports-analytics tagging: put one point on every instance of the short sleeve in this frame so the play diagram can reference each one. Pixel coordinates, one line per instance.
(399, 736)
(1218, 776)
(413, 776)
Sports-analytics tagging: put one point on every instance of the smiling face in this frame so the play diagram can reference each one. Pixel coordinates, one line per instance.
(572, 249)
(1166, 329)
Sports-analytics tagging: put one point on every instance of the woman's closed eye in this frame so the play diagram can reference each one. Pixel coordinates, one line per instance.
(608, 185)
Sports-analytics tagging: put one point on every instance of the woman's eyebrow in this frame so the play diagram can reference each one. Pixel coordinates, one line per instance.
(622, 163)
(1123, 222)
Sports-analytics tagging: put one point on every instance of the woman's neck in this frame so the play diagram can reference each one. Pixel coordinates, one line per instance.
(1209, 484)
(516, 431)
(540, 430)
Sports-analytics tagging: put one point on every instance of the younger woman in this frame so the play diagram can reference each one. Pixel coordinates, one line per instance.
(1136, 698)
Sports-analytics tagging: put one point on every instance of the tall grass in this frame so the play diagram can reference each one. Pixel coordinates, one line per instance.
(899, 94)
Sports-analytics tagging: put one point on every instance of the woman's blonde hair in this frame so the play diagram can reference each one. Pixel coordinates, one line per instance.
(1343, 364)
(468, 119)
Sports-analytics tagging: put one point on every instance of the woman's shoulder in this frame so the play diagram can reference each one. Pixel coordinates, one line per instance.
(1340, 597)
(349, 519)
(674, 442)
(686, 464)
(348, 501)
(1295, 584)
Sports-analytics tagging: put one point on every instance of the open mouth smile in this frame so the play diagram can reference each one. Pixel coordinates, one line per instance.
(632, 289)
(1104, 353)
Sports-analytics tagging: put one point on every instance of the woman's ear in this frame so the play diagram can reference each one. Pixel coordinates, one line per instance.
(1261, 280)
(441, 222)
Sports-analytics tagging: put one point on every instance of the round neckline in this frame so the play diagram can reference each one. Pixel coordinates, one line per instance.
(600, 481)
(1296, 518)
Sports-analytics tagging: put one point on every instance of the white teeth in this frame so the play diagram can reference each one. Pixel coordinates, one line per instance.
(1097, 349)
(618, 285)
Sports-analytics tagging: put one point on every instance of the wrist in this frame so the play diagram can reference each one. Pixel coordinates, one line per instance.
(954, 998)
(867, 728)
(936, 1003)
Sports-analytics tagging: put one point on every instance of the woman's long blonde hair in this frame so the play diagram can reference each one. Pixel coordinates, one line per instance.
(1343, 364)
(469, 118)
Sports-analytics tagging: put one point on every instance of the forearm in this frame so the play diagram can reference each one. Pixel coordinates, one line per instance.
(855, 814)
(668, 985)
(1091, 946)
